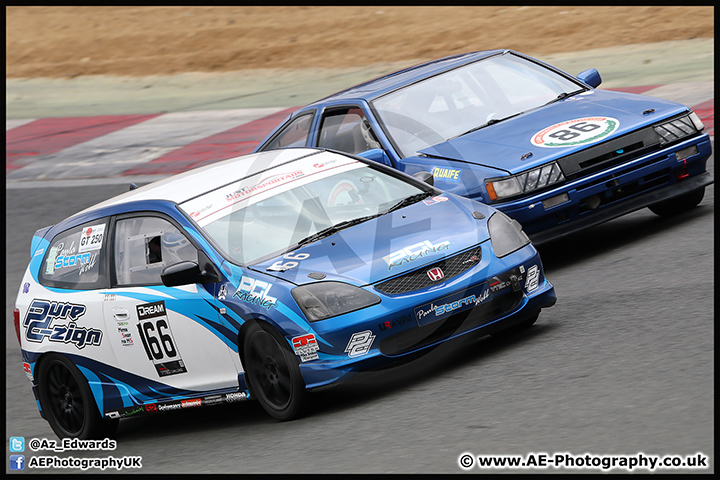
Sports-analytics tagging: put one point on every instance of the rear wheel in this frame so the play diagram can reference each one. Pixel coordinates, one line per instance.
(678, 205)
(273, 373)
(68, 403)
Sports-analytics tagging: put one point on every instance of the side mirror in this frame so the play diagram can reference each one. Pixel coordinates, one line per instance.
(187, 273)
(183, 273)
(591, 77)
(426, 177)
(377, 155)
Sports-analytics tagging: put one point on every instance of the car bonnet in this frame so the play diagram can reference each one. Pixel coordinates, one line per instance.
(392, 244)
(518, 143)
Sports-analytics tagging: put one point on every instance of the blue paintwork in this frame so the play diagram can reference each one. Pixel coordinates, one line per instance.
(502, 149)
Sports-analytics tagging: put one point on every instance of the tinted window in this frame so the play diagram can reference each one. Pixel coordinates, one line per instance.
(294, 134)
(76, 257)
(144, 246)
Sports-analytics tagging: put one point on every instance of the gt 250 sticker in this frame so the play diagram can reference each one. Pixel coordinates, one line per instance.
(91, 238)
(158, 340)
(414, 252)
(451, 304)
(580, 131)
(42, 313)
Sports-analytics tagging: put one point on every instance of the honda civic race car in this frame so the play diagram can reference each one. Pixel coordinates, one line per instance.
(547, 149)
(260, 277)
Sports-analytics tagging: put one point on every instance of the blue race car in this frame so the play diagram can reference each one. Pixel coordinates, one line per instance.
(545, 148)
(260, 277)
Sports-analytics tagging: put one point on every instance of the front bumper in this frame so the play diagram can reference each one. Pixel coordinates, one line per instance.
(613, 192)
(401, 332)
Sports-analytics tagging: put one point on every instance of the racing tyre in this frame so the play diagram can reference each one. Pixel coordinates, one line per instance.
(678, 205)
(273, 373)
(518, 327)
(68, 403)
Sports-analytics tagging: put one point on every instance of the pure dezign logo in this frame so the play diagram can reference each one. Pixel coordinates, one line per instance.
(580, 131)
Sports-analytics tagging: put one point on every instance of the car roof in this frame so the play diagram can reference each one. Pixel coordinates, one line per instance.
(185, 186)
(387, 83)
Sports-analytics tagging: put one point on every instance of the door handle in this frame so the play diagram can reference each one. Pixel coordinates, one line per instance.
(120, 314)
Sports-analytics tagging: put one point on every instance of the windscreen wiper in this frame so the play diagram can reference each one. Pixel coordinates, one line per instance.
(408, 201)
(332, 229)
(492, 121)
(564, 95)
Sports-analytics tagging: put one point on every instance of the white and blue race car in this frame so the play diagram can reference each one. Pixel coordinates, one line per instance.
(260, 277)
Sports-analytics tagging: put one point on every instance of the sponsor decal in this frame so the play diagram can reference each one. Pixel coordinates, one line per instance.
(255, 292)
(39, 251)
(360, 343)
(275, 180)
(42, 313)
(580, 131)
(434, 200)
(306, 347)
(113, 414)
(279, 266)
(213, 399)
(533, 278)
(169, 406)
(91, 238)
(447, 174)
(26, 287)
(109, 297)
(157, 339)
(28, 371)
(415, 252)
(151, 407)
(235, 397)
(222, 293)
(396, 322)
(195, 402)
(452, 304)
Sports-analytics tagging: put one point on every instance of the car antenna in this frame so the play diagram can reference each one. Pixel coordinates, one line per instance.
(133, 186)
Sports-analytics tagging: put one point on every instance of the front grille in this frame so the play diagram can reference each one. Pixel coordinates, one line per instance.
(611, 153)
(417, 279)
(419, 337)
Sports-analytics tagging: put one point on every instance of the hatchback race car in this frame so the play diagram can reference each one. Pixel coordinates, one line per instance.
(260, 277)
(547, 149)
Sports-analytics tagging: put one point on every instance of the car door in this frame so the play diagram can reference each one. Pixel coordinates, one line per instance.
(163, 333)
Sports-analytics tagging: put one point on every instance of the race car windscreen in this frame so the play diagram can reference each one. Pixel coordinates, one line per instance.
(267, 214)
(461, 100)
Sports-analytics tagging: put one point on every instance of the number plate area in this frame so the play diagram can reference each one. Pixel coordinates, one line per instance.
(157, 339)
(452, 304)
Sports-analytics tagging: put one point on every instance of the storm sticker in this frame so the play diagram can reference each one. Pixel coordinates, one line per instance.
(157, 339)
(581, 131)
(306, 347)
(42, 313)
(414, 252)
(451, 304)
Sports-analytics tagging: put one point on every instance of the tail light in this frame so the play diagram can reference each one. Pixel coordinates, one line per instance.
(16, 321)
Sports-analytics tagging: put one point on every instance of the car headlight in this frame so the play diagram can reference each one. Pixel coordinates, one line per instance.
(522, 183)
(679, 128)
(322, 300)
(506, 234)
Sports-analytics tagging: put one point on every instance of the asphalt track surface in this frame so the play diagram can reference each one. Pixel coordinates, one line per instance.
(621, 365)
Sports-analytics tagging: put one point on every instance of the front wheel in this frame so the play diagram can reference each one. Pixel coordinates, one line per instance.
(273, 374)
(68, 403)
(678, 205)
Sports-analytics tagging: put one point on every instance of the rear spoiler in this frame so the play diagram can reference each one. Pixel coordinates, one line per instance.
(37, 237)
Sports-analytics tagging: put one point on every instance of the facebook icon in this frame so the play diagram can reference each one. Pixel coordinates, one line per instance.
(17, 462)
